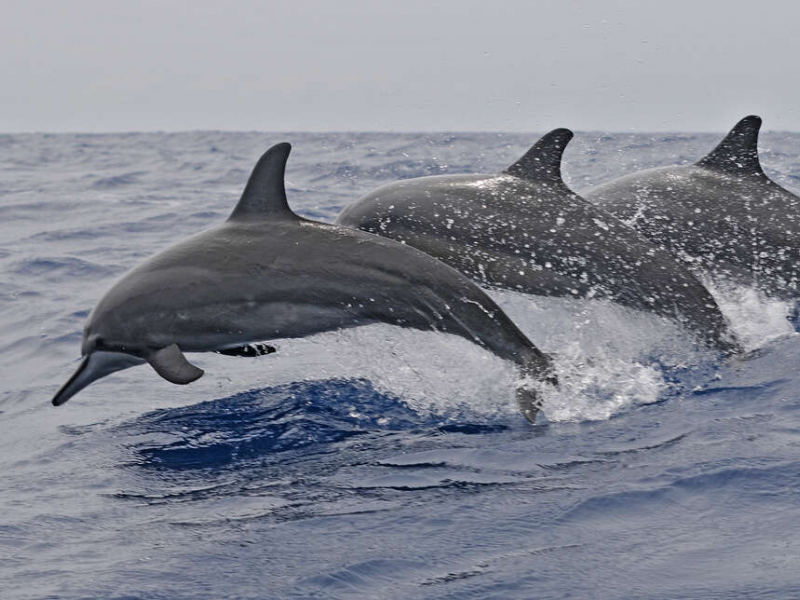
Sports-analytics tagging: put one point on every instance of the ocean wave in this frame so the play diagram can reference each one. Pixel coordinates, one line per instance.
(376, 461)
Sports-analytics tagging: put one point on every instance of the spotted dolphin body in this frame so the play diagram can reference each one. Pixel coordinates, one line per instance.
(525, 230)
(722, 214)
(267, 273)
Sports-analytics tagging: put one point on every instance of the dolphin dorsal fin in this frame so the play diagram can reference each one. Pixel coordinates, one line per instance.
(265, 194)
(543, 161)
(737, 154)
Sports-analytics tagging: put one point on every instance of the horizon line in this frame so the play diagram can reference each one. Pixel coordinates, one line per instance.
(375, 131)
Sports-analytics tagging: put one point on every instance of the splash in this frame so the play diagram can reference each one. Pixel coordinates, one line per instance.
(433, 373)
(594, 388)
(608, 358)
(755, 318)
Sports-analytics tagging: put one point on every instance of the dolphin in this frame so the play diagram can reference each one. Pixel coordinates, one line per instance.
(267, 273)
(525, 230)
(722, 215)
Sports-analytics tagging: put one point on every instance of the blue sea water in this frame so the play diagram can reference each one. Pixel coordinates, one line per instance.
(376, 462)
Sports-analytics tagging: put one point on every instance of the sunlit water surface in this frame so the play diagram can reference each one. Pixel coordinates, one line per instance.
(376, 462)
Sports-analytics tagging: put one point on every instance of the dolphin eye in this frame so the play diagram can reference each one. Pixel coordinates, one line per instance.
(99, 342)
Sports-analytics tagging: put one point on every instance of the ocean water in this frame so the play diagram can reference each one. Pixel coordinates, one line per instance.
(376, 462)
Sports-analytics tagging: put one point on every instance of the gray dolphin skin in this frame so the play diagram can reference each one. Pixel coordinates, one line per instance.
(525, 230)
(267, 273)
(722, 214)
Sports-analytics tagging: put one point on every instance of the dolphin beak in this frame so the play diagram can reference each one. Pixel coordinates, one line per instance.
(94, 366)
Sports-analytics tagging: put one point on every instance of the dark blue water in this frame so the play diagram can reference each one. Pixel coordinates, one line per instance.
(375, 463)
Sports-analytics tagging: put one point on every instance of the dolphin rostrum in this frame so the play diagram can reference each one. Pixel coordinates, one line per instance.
(525, 230)
(267, 273)
(723, 215)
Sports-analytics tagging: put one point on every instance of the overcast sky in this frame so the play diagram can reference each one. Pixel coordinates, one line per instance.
(454, 65)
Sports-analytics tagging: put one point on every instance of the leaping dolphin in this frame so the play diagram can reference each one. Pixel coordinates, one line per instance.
(722, 214)
(267, 273)
(525, 230)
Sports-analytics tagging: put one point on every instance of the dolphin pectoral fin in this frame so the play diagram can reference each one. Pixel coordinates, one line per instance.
(171, 364)
(248, 350)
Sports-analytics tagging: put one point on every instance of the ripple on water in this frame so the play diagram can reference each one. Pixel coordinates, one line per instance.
(116, 181)
(61, 267)
(259, 423)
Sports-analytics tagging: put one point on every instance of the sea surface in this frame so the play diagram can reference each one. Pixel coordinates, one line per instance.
(376, 462)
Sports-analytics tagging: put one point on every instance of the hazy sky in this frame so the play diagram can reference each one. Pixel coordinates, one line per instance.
(125, 65)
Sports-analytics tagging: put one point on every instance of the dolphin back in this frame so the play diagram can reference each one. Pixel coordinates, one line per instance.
(722, 215)
(526, 231)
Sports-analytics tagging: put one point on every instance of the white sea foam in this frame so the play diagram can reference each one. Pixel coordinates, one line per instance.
(607, 357)
(432, 372)
(755, 318)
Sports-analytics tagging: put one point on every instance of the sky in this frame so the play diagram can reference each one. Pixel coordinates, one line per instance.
(384, 65)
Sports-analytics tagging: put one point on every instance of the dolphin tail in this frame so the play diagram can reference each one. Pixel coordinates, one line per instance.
(722, 338)
(529, 401)
(537, 373)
